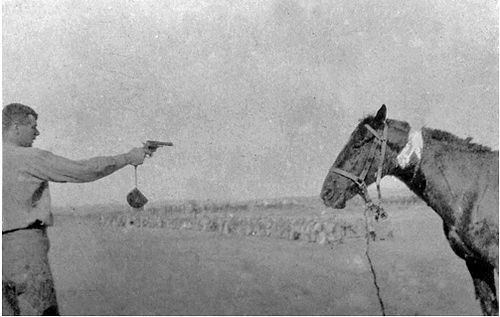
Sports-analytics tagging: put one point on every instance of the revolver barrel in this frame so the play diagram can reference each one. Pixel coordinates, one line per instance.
(150, 143)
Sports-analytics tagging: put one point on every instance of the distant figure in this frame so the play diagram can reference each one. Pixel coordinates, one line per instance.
(27, 283)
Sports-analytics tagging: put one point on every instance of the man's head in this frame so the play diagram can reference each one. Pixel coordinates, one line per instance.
(19, 124)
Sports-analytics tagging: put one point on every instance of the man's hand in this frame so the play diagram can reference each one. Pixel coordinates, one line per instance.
(136, 155)
(152, 146)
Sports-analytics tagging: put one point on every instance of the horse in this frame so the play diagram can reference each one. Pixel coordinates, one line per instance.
(458, 179)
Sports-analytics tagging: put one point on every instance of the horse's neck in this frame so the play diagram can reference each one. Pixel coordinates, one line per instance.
(435, 172)
(430, 180)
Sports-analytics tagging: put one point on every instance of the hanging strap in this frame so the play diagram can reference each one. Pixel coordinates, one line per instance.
(382, 158)
(135, 173)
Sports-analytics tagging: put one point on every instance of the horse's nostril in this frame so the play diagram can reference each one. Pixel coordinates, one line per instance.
(327, 194)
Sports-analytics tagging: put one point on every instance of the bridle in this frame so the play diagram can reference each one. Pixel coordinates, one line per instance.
(360, 180)
(370, 206)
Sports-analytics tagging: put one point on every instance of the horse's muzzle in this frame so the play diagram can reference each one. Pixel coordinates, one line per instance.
(328, 199)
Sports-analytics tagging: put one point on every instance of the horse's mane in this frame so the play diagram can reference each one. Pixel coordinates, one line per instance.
(456, 142)
(441, 136)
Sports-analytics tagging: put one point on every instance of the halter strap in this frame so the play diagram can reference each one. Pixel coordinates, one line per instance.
(360, 180)
(382, 158)
(375, 133)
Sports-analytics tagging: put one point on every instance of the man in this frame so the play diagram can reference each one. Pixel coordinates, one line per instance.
(27, 284)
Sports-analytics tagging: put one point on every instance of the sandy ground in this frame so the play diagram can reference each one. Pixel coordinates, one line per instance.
(138, 271)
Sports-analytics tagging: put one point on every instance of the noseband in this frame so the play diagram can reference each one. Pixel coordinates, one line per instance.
(360, 180)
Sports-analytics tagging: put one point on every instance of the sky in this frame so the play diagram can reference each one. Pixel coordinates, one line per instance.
(257, 96)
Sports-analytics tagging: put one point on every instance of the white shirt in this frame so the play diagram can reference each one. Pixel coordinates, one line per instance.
(27, 172)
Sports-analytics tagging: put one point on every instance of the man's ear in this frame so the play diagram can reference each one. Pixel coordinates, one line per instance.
(381, 114)
(16, 128)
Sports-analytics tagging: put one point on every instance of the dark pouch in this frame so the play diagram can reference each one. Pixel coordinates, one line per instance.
(136, 199)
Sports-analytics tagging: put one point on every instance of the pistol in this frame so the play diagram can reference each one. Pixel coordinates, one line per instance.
(153, 145)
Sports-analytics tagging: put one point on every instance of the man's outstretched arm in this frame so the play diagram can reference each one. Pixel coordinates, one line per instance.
(54, 168)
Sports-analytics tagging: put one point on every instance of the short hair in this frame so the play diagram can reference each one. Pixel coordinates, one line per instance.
(16, 113)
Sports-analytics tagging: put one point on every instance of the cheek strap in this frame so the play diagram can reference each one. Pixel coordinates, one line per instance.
(360, 180)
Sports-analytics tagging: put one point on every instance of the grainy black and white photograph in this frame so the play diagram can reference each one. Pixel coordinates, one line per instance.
(250, 157)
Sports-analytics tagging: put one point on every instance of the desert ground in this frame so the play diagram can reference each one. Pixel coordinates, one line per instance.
(102, 267)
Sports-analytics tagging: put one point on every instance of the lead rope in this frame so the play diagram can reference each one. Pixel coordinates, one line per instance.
(380, 213)
(367, 253)
(135, 173)
(371, 209)
(375, 209)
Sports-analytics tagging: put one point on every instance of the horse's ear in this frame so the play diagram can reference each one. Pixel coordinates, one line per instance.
(381, 114)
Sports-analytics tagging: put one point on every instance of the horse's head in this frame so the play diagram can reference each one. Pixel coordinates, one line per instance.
(361, 156)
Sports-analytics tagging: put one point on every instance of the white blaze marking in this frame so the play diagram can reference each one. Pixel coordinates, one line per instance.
(414, 146)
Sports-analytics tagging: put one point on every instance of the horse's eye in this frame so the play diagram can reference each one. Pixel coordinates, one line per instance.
(359, 143)
(366, 139)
